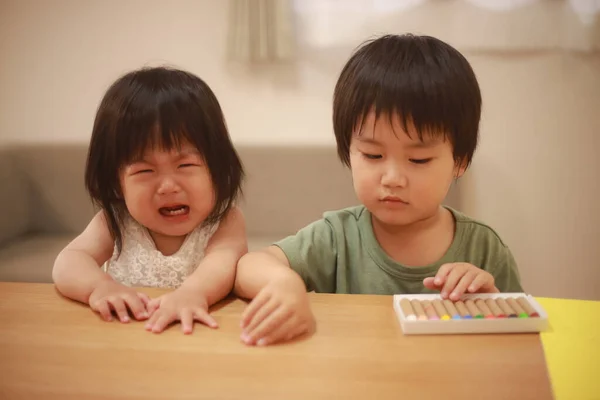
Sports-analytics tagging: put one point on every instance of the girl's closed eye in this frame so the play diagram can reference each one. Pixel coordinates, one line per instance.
(141, 171)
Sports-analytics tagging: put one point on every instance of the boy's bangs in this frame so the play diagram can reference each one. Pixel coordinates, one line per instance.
(417, 108)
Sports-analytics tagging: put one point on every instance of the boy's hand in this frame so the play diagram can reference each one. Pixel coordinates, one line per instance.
(111, 296)
(280, 311)
(454, 279)
(183, 304)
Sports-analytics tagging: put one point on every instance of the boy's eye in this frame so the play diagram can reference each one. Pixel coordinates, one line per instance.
(372, 156)
(420, 160)
(143, 171)
(186, 165)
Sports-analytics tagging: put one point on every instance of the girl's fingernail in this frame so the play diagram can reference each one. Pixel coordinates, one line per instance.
(444, 294)
(261, 342)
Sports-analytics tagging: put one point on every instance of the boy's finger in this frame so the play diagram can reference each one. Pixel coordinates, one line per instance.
(255, 305)
(299, 330)
(479, 281)
(442, 274)
(118, 305)
(451, 281)
(187, 321)
(279, 333)
(204, 317)
(102, 308)
(428, 283)
(257, 312)
(462, 285)
(264, 312)
(277, 318)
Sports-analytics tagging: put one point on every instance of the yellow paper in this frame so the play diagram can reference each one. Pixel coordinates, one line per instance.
(572, 348)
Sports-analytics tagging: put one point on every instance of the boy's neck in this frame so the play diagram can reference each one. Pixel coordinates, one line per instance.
(419, 244)
(167, 245)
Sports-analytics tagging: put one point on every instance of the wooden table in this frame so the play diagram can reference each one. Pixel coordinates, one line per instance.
(52, 348)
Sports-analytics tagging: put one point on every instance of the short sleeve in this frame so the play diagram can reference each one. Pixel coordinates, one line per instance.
(506, 273)
(312, 253)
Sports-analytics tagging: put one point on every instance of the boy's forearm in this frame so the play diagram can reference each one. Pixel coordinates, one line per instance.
(214, 276)
(76, 275)
(255, 270)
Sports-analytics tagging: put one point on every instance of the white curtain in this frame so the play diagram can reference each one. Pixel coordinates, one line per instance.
(261, 31)
(471, 25)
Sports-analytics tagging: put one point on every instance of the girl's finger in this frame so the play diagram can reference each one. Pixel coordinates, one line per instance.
(204, 317)
(118, 305)
(102, 308)
(187, 320)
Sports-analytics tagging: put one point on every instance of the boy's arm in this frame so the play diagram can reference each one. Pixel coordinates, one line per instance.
(256, 269)
(280, 309)
(76, 272)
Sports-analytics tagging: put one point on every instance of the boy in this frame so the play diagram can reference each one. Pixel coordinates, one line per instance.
(406, 116)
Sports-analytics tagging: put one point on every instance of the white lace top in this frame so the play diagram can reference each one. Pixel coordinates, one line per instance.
(141, 264)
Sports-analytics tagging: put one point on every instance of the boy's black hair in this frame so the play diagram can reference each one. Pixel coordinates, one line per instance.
(420, 79)
(158, 108)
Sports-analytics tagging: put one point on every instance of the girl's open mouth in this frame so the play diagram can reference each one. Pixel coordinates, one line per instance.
(174, 210)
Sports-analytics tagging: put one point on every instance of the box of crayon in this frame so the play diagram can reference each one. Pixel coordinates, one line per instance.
(421, 314)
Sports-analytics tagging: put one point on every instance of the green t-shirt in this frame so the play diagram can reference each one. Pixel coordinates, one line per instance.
(340, 254)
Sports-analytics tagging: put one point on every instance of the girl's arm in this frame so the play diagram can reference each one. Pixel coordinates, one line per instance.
(215, 274)
(210, 282)
(77, 275)
(76, 271)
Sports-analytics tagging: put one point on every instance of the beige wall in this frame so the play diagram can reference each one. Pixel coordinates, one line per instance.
(535, 177)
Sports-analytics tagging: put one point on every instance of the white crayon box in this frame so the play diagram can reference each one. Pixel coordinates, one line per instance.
(429, 314)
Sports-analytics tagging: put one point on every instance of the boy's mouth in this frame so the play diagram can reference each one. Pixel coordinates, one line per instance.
(172, 211)
(393, 199)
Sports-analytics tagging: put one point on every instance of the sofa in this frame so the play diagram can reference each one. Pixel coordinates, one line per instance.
(45, 204)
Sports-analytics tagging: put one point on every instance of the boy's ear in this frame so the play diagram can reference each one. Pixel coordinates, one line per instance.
(460, 169)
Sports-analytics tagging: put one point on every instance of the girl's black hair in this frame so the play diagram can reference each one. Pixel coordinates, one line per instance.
(158, 108)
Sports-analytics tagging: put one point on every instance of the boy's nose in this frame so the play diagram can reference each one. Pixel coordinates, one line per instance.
(393, 176)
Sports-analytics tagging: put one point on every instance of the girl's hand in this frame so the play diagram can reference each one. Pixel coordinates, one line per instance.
(183, 304)
(109, 296)
(454, 279)
(280, 311)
